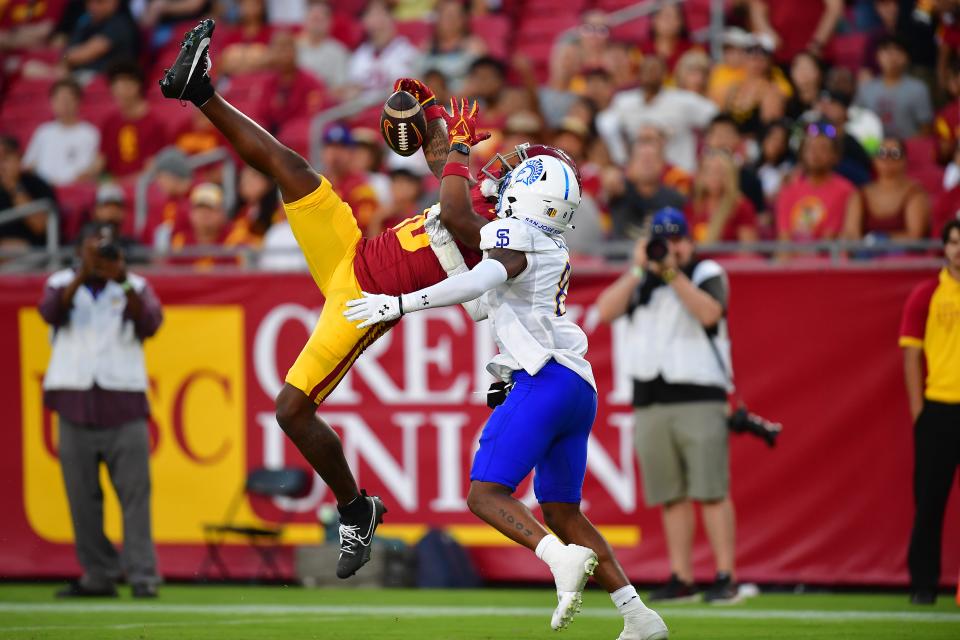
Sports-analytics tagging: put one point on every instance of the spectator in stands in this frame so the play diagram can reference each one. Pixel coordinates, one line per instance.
(289, 92)
(948, 204)
(861, 123)
(111, 207)
(27, 24)
(592, 39)
(406, 193)
(258, 202)
(487, 82)
(761, 96)
(901, 100)
(20, 187)
(855, 164)
(806, 77)
(892, 207)
(946, 126)
(63, 150)
(722, 133)
(678, 361)
(244, 45)
(318, 52)
(280, 251)
(673, 177)
(930, 332)
(682, 113)
(96, 382)
(669, 37)
(718, 211)
(104, 35)
(339, 166)
(438, 83)
(692, 72)
(384, 55)
(774, 165)
(197, 135)
(167, 198)
(451, 48)
(637, 192)
(208, 229)
(904, 24)
(160, 18)
(815, 204)
(731, 68)
(796, 26)
(133, 134)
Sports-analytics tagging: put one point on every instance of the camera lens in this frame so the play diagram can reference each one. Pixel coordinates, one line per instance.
(657, 249)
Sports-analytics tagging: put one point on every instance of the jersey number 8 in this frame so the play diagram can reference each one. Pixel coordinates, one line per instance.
(562, 287)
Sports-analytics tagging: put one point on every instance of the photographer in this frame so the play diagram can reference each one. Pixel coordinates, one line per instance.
(676, 305)
(96, 382)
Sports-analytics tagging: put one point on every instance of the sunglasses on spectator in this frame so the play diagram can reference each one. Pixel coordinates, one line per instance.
(884, 153)
(815, 129)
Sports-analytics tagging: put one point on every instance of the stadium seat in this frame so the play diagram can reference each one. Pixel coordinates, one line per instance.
(634, 31)
(495, 31)
(847, 50)
(75, 202)
(296, 135)
(416, 31)
(265, 483)
(546, 28)
(698, 14)
(921, 150)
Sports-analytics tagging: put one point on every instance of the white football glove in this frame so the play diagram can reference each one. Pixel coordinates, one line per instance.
(373, 308)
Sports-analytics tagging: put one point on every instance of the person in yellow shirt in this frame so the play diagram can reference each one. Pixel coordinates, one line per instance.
(930, 329)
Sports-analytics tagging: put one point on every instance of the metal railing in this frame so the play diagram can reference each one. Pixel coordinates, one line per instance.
(219, 155)
(53, 224)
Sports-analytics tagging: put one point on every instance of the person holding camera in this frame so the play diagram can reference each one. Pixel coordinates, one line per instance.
(96, 381)
(680, 364)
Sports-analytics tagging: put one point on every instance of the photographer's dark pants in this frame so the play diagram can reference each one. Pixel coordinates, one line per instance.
(936, 458)
(125, 450)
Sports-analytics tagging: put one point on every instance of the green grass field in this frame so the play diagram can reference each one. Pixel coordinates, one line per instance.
(29, 612)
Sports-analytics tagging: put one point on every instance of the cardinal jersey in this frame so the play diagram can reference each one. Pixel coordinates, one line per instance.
(342, 264)
(528, 312)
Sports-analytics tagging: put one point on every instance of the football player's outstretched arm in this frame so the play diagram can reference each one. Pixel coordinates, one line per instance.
(456, 206)
(491, 272)
(292, 173)
(435, 147)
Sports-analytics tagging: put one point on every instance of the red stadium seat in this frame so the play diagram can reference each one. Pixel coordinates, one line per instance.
(346, 28)
(75, 201)
(547, 27)
(847, 50)
(698, 14)
(552, 7)
(921, 150)
(635, 31)
(495, 31)
(296, 135)
(416, 31)
(246, 93)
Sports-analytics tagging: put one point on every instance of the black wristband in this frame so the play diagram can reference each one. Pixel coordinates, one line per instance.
(460, 147)
(400, 303)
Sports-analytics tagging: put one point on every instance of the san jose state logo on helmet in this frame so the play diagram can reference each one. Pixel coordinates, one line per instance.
(543, 192)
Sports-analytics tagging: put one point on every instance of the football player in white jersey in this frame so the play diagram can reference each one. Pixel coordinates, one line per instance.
(545, 421)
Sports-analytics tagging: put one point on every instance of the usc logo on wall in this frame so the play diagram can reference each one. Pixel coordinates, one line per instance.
(195, 364)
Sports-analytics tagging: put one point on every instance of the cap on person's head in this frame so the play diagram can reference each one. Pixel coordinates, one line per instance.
(173, 161)
(522, 123)
(405, 174)
(764, 42)
(574, 126)
(111, 193)
(366, 137)
(207, 194)
(737, 38)
(669, 222)
(339, 134)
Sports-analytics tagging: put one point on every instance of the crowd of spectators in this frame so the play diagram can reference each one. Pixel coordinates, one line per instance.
(817, 121)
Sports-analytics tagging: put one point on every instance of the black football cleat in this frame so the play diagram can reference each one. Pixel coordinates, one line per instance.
(356, 536)
(189, 77)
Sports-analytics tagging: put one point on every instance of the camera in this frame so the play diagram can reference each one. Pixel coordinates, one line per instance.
(742, 421)
(657, 249)
(108, 249)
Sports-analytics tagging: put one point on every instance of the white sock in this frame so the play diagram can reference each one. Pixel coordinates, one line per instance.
(627, 600)
(548, 548)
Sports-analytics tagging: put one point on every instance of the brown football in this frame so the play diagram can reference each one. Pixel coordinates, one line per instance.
(403, 123)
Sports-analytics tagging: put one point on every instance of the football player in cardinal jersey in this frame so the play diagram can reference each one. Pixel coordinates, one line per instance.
(416, 253)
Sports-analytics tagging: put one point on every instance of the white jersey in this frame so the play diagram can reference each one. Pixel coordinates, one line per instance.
(528, 312)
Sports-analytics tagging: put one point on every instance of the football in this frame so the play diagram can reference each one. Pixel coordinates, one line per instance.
(403, 123)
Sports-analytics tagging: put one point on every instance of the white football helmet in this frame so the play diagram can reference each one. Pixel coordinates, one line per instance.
(542, 191)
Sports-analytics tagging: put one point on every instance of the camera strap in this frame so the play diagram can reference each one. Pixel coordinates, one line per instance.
(727, 374)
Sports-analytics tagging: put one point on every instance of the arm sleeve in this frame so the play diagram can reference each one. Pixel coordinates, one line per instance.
(913, 323)
(710, 277)
(51, 307)
(458, 289)
(151, 314)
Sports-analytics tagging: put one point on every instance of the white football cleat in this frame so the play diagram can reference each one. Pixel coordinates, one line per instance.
(571, 572)
(645, 625)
